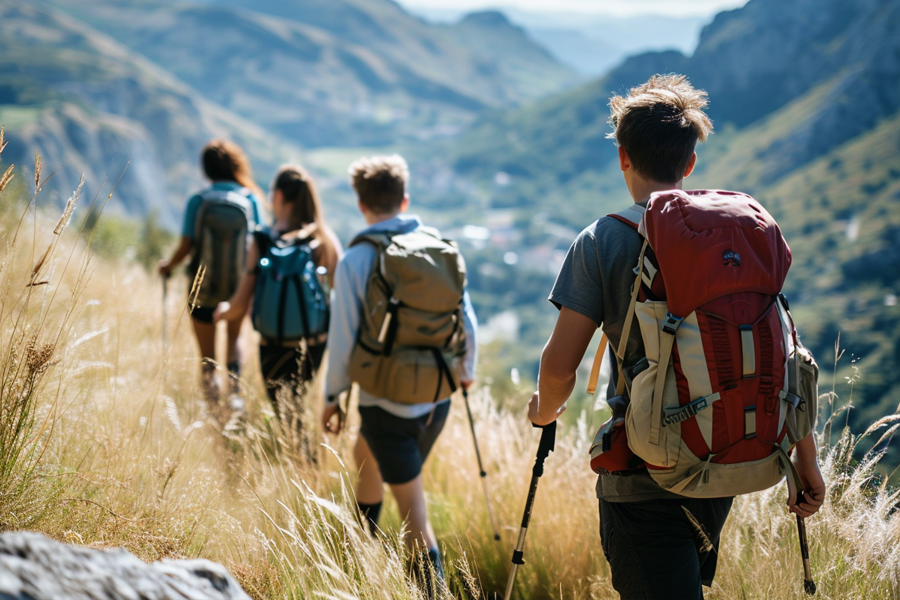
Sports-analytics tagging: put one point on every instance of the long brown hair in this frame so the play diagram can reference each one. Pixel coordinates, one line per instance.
(223, 160)
(299, 193)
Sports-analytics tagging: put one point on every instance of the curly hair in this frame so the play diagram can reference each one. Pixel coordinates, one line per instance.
(380, 182)
(223, 160)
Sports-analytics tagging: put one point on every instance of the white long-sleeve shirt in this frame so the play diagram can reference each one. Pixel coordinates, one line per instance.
(348, 297)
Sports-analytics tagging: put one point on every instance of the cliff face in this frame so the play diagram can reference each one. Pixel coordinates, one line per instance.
(89, 105)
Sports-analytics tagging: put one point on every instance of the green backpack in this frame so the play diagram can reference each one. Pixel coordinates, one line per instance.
(411, 336)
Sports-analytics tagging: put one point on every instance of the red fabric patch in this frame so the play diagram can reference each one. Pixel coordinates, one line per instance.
(712, 243)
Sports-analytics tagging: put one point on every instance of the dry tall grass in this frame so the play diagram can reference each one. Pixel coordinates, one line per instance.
(107, 441)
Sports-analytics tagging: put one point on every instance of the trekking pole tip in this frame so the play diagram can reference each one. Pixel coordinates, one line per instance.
(497, 537)
(809, 586)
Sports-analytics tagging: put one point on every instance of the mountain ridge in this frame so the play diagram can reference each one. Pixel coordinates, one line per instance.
(371, 72)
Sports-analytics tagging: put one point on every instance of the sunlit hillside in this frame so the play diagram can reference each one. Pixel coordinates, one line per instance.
(107, 442)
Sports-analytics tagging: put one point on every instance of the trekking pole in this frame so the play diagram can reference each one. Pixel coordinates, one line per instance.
(548, 442)
(165, 324)
(809, 586)
(481, 470)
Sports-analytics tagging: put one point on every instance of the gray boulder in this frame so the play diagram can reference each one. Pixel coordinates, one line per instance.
(33, 567)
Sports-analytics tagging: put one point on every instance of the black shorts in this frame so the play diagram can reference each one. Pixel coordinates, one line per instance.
(655, 550)
(202, 314)
(294, 367)
(400, 446)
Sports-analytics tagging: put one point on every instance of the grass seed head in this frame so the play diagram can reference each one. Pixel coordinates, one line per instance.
(4, 181)
(38, 165)
(195, 287)
(38, 357)
(70, 208)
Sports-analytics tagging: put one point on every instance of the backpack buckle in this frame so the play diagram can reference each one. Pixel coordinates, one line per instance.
(672, 323)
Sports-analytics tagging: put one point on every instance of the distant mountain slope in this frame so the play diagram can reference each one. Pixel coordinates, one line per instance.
(592, 43)
(515, 56)
(843, 61)
(332, 72)
(88, 104)
(805, 99)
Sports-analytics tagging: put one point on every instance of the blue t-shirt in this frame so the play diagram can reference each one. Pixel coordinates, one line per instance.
(189, 225)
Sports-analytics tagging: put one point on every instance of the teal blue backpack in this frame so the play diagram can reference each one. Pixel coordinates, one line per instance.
(289, 303)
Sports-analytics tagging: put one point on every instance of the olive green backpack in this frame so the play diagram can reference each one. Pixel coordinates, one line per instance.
(411, 336)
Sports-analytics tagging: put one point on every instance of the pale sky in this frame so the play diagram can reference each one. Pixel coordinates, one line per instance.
(611, 7)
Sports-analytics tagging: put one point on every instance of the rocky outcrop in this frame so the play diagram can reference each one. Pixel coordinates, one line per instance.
(33, 567)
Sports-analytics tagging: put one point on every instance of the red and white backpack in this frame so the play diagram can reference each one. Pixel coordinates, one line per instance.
(726, 389)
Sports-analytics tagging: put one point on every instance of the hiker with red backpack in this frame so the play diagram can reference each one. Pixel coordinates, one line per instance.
(288, 267)
(216, 226)
(711, 389)
(403, 329)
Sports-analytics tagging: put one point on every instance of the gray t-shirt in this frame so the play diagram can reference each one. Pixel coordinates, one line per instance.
(596, 281)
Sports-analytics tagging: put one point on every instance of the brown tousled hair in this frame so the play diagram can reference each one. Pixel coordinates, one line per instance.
(658, 124)
(380, 182)
(299, 192)
(224, 160)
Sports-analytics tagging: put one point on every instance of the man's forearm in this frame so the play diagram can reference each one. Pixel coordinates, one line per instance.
(554, 390)
(806, 450)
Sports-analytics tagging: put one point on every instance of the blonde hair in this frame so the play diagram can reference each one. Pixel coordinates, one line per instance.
(380, 182)
(659, 123)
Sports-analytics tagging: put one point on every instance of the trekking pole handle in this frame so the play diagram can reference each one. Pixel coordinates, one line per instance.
(545, 447)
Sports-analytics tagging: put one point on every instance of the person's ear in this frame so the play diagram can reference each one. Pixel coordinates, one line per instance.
(690, 165)
(404, 204)
(624, 161)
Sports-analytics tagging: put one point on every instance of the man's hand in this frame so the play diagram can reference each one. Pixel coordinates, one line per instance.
(534, 412)
(223, 312)
(329, 422)
(805, 460)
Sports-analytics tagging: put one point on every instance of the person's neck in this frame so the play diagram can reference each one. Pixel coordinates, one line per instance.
(375, 218)
(643, 189)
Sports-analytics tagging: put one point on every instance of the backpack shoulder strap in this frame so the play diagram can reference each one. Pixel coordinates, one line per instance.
(379, 239)
(263, 238)
(631, 216)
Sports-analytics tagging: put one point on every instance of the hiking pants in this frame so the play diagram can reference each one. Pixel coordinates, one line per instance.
(656, 550)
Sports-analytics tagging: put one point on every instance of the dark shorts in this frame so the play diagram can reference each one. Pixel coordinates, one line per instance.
(291, 367)
(203, 315)
(655, 550)
(400, 446)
